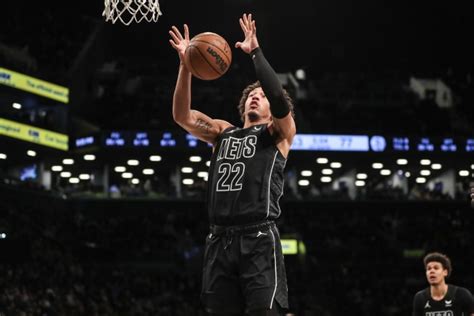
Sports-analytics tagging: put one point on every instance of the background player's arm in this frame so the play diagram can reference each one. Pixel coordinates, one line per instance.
(195, 122)
(466, 300)
(472, 195)
(417, 305)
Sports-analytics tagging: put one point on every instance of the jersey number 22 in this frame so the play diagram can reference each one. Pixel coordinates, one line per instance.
(230, 177)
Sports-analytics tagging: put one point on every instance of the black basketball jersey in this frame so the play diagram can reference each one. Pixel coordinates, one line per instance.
(245, 177)
(458, 301)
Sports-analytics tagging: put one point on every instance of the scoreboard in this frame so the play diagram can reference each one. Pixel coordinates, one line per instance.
(301, 142)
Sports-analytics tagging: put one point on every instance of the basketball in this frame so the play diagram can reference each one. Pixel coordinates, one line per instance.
(208, 56)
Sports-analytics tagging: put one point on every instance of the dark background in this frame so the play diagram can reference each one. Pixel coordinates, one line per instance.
(111, 247)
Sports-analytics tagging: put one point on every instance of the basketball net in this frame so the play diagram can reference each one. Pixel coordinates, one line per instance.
(128, 11)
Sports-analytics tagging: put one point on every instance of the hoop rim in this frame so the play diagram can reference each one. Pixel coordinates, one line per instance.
(128, 11)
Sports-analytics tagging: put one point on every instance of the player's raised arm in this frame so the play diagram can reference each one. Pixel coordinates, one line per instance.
(283, 122)
(195, 122)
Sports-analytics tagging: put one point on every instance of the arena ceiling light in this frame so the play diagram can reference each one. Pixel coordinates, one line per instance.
(85, 176)
(463, 173)
(402, 162)
(425, 173)
(89, 157)
(187, 170)
(208, 163)
(57, 168)
(31, 153)
(133, 162)
(203, 174)
(3, 156)
(65, 174)
(420, 180)
(385, 172)
(300, 74)
(188, 181)
(135, 181)
(425, 162)
(326, 179)
(322, 160)
(361, 176)
(303, 183)
(360, 183)
(436, 166)
(336, 165)
(120, 169)
(148, 171)
(327, 171)
(74, 180)
(195, 158)
(68, 161)
(306, 173)
(377, 165)
(407, 174)
(16, 105)
(155, 158)
(127, 175)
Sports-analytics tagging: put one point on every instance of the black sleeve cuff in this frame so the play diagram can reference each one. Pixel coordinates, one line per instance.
(270, 83)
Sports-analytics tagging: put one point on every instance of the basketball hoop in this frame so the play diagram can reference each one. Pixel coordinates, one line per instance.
(128, 11)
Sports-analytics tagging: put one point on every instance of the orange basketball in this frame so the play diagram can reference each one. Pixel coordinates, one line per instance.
(208, 56)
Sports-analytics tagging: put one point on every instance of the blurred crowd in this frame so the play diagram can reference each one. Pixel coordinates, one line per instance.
(116, 257)
(64, 254)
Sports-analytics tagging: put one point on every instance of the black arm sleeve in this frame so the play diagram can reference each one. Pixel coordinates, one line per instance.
(270, 84)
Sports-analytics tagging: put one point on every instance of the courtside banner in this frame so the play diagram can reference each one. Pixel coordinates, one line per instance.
(34, 134)
(34, 85)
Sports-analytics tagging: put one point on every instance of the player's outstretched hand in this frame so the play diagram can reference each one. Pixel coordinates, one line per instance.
(179, 42)
(250, 32)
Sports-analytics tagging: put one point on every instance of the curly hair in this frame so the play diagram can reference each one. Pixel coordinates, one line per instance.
(438, 257)
(250, 88)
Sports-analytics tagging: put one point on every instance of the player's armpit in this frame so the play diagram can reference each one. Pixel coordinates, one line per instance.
(283, 131)
(285, 128)
(202, 126)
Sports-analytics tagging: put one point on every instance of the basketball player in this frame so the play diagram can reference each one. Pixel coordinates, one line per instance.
(243, 272)
(441, 299)
(472, 195)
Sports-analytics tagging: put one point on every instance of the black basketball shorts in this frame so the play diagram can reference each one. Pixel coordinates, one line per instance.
(244, 269)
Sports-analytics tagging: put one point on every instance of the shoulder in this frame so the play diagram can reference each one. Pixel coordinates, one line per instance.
(223, 125)
(421, 293)
(419, 300)
(421, 296)
(463, 294)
